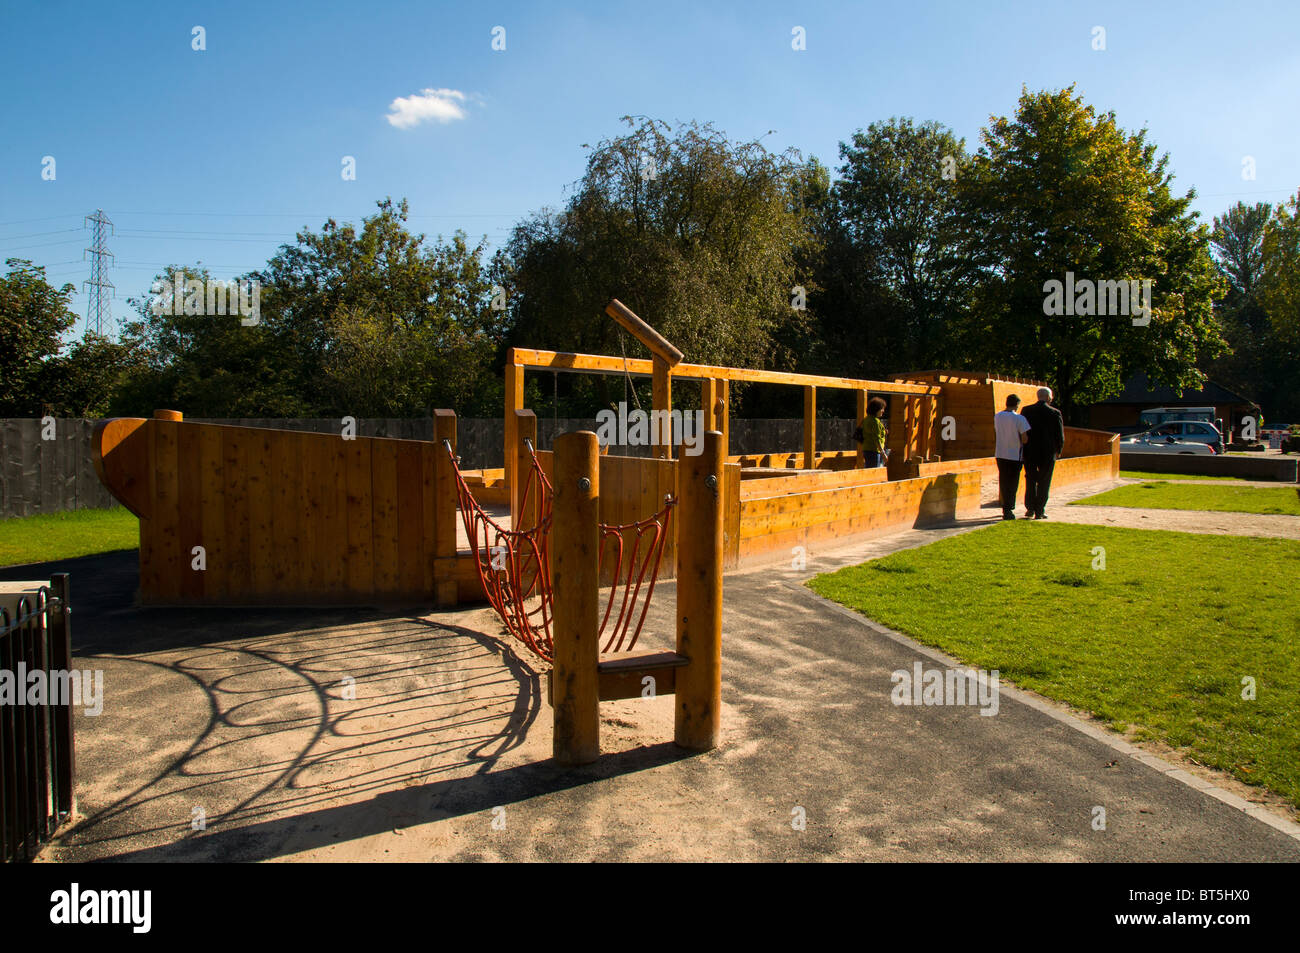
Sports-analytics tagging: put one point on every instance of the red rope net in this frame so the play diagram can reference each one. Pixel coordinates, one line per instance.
(514, 565)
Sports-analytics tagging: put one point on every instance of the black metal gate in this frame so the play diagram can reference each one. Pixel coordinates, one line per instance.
(36, 749)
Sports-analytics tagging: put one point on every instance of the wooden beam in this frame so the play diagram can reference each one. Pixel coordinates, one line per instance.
(523, 513)
(723, 414)
(696, 371)
(701, 489)
(661, 398)
(659, 345)
(810, 428)
(708, 402)
(639, 367)
(860, 414)
(575, 570)
(623, 675)
(514, 401)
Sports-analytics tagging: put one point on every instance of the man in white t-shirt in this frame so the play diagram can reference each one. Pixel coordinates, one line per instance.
(1011, 431)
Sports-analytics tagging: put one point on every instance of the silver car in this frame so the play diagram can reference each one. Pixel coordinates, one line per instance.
(1194, 431)
(1150, 443)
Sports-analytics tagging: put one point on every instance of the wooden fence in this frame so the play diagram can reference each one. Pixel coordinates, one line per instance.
(48, 467)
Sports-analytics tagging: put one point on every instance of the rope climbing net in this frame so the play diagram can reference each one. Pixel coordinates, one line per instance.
(515, 570)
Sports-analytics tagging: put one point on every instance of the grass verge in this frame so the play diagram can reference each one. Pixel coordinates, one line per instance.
(50, 536)
(1283, 501)
(1148, 475)
(1159, 640)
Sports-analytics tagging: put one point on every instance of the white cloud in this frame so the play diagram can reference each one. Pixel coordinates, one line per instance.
(441, 105)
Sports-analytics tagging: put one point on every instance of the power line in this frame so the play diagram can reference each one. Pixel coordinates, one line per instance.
(196, 238)
(48, 218)
(57, 231)
(70, 241)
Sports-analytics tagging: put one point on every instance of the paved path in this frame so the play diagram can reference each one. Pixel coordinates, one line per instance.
(443, 751)
(1263, 484)
(1183, 521)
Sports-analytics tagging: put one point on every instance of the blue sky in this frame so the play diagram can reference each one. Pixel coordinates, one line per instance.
(220, 155)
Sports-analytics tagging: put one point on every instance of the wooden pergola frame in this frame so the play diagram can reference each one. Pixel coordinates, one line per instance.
(715, 384)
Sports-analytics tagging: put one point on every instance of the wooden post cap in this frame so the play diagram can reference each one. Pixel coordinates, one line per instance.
(168, 415)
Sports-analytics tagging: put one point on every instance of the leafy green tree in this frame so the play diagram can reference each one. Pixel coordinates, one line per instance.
(699, 235)
(1279, 292)
(204, 364)
(1238, 240)
(1249, 366)
(34, 316)
(1280, 267)
(1061, 188)
(84, 381)
(901, 276)
(345, 304)
(362, 322)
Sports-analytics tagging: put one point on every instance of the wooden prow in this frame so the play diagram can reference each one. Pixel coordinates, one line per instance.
(120, 451)
(242, 515)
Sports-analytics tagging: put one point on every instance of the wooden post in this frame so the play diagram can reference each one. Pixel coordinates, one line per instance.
(723, 414)
(709, 403)
(514, 401)
(575, 571)
(168, 415)
(699, 595)
(661, 398)
(445, 499)
(713, 401)
(524, 517)
(860, 414)
(810, 428)
(926, 424)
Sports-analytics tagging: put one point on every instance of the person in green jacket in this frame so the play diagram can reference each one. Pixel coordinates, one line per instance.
(874, 433)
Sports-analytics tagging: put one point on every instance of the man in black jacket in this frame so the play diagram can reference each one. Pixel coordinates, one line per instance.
(1042, 450)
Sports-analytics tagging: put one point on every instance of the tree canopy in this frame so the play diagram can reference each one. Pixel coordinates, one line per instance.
(1061, 193)
(915, 253)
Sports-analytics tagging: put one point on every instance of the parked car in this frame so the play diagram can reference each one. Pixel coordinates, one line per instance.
(1196, 431)
(1167, 443)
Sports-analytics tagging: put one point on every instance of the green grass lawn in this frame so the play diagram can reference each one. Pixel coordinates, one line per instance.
(1190, 496)
(1148, 475)
(1157, 641)
(39, 539)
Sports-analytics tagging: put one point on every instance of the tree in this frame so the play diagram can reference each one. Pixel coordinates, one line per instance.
(697, 234)
(1280, 271)
(345, 305)
(351, 322)
(85, 381)
(1061, 189)
(204, 363)
(34, 316)
(1238, 241)
(904, 275)
(1249, 365)
(1279, 292)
